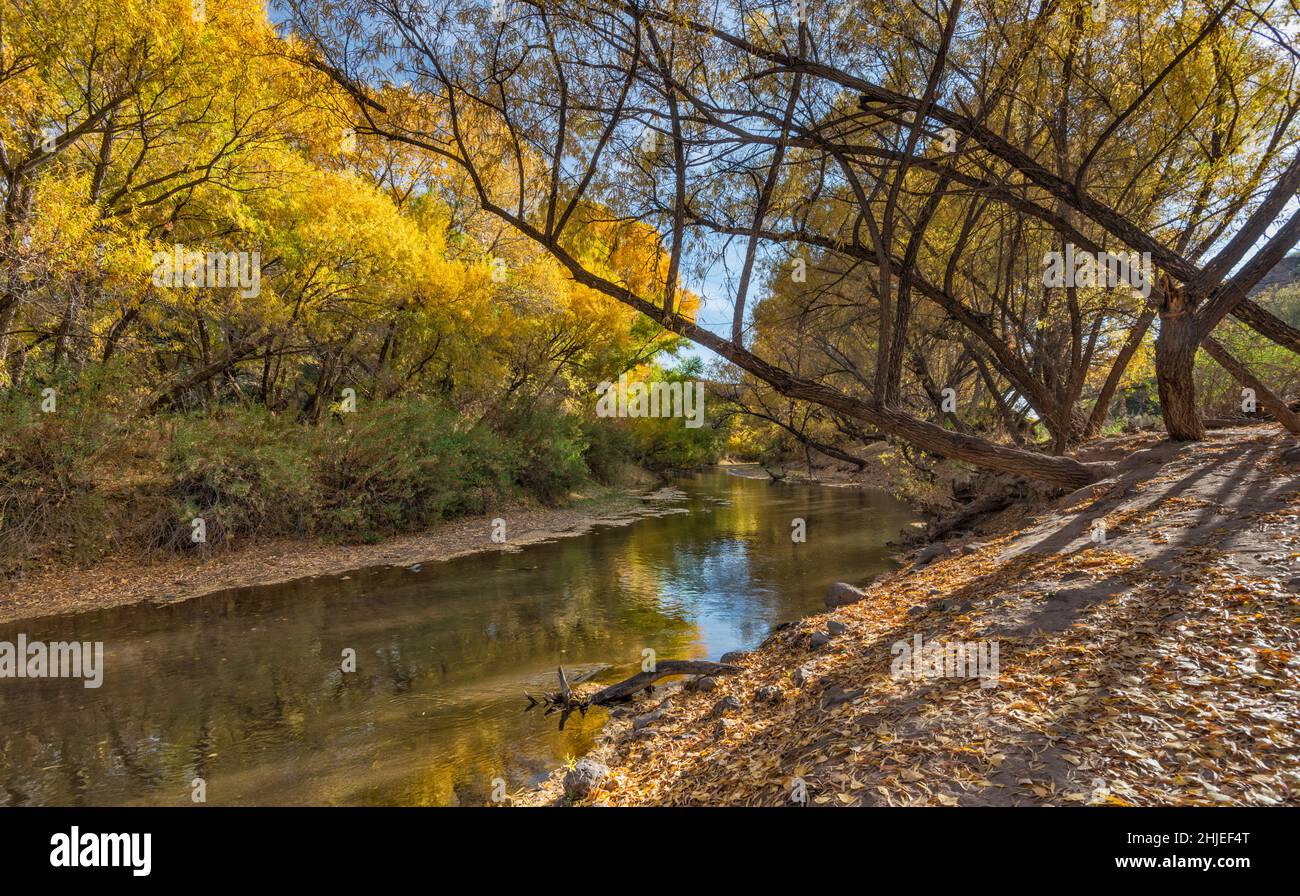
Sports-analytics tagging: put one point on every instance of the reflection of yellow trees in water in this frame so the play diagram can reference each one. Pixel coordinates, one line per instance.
(246, 691)
(249, 695)
(276, 743)
(743, 517)
(461, 769)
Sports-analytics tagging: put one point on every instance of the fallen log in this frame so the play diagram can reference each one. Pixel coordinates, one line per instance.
(971, 512)
(662, 669)
(564, 701)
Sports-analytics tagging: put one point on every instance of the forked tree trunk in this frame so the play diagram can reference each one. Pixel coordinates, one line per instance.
(1175, 360)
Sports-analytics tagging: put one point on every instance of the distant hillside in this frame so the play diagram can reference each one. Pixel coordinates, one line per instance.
(1286, 271)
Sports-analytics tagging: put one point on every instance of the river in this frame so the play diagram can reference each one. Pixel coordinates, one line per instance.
(244, 689)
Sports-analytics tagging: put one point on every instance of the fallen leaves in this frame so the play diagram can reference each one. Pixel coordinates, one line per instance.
(1155, 669)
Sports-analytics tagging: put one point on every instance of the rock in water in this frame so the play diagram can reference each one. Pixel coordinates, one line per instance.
(733, 656)
(842, 593)
(583, 778)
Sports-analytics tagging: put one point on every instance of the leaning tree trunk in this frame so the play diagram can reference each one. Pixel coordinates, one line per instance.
(1272, 403)
(1273, 327)
(1101, 410)
(1175, 361)
(1062, 471)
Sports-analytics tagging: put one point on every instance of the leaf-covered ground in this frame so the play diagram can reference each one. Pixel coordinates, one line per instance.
(1157, 668)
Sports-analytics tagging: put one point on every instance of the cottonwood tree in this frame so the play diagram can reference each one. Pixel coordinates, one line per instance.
(942, 149)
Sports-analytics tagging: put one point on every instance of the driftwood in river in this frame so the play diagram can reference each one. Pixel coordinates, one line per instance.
(564, 701)
(662, 669)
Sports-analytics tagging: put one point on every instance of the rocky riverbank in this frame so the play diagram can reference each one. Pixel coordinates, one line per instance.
(1143, 636)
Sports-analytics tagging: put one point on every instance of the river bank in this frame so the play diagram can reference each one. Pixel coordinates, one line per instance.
(1155, 666)
(127, 579)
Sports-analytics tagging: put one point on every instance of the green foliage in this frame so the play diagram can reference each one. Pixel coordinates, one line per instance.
(409, 465)
(610, 449)
(665, 444)
(244, 473)
(656, 443)
(547, 453)
(49, 505)
(399, 467)
(80, 480)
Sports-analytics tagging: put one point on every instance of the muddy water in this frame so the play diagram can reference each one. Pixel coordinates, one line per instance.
(244, 688)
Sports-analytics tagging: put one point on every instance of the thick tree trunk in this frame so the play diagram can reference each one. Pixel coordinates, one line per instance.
(1069, 428)
(1175, 360)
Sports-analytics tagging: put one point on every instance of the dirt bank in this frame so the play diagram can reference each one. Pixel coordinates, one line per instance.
(136, 579)
(1156, 667)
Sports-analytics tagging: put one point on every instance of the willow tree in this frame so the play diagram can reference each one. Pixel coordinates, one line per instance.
(941, 150)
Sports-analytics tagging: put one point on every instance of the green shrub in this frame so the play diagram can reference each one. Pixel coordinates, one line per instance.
(49, 504)
(245, 473)
(547, 451)
(662, 442)
(404, 467)
(75, 483)
(609, 449)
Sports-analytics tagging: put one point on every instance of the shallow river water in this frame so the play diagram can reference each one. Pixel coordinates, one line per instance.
(244, 688)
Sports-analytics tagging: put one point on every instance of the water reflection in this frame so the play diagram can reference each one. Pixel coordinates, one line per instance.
(244, 688)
